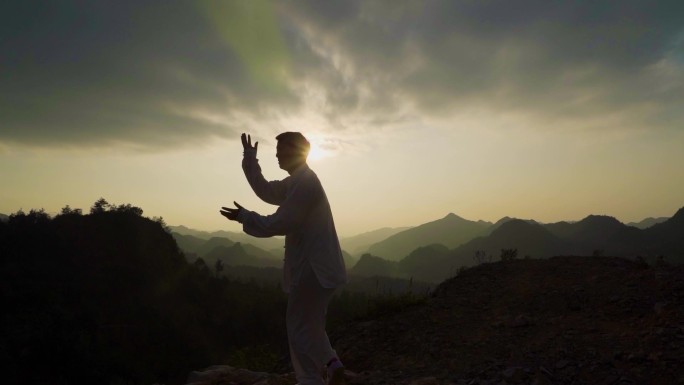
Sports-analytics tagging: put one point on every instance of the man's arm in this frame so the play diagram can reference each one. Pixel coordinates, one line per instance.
(289, 216)
(273, 192)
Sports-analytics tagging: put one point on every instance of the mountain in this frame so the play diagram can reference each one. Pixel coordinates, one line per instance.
(594, 235)
(188, 243)
(647, 222)
(262, 243)
(349, 260)
(3, 218)
(423, 263)
(507, 219)
(593, 228)
(260, 253)
(667, 238)
(433, 262)
(672, 226)
(450, 231)
(200, 243)
(371, 266)
(213, 243)
(359, 244)
(606, 235)
(230, 253)
(238, 255)
(530, 239)
(188, 231)
(595, 232)
(561, 229)
(191, 244)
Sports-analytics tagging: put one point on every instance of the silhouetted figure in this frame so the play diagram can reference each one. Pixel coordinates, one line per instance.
(313, 259)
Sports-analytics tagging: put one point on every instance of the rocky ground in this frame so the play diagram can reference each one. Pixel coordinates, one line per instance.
(565, 320)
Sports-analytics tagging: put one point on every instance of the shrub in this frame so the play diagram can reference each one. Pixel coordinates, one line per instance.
(509, 254)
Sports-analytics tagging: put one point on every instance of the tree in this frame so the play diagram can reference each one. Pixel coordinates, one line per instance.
(481, 257)
(162, 223)
(128, 209)
(201, 266)
(100, 206)
(66, 210)
(509, 254)
(218, 267)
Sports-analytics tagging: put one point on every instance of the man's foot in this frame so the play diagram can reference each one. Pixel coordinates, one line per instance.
(336, 376)
(336, 372)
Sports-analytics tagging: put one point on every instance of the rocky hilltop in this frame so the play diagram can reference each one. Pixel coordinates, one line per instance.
(563, 320)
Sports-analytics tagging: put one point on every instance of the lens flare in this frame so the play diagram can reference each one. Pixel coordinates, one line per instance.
(316, 152)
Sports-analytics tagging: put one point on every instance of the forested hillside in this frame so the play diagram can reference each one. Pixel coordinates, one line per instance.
(108, 298)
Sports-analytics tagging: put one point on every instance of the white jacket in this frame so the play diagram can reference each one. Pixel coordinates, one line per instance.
(303, 217)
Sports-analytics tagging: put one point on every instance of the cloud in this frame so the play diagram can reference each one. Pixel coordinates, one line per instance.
(93, 73)
(177, 73)
(556, 62)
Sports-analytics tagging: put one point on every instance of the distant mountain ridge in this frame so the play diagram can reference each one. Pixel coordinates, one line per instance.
(395, 243)
(238, 254)
(354, 245)
(592, 231)
(435, 250)
(371, 265)
(230, 253)
(423, 264)
(647, 222)
(594, 235)
(451, 231)
(3, 217)
(360, 243)
(262, 243)
(530, 238)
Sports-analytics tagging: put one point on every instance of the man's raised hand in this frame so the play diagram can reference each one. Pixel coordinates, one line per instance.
(247, 142)
(230, 212)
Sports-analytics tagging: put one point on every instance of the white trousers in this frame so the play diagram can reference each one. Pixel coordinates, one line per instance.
(310, 349)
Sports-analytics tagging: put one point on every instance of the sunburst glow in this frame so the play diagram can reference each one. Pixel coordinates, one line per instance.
(317, 152)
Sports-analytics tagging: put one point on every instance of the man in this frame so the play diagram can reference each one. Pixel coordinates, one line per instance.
(313, 265)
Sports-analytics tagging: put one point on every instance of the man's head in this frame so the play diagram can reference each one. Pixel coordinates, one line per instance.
(292, 150)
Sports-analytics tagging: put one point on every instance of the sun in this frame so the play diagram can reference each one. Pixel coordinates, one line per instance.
(317, 153)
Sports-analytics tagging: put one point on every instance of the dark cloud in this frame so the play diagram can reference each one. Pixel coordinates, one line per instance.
(163, 73)
(555, 60)
(139, 72)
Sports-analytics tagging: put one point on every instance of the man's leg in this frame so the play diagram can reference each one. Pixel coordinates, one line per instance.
(310, 347)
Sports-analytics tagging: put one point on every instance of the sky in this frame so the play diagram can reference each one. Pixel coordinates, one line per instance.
(546, 110)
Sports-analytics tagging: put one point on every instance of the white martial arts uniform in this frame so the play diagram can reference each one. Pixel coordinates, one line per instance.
(313, 266)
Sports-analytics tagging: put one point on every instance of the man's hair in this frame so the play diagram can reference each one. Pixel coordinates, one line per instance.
(295, 140)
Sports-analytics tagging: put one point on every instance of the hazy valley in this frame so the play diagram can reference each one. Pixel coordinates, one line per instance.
(97, 290)
(434, 251)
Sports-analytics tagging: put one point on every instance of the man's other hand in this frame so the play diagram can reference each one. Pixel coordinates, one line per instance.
(230, 212)
(247, 142)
